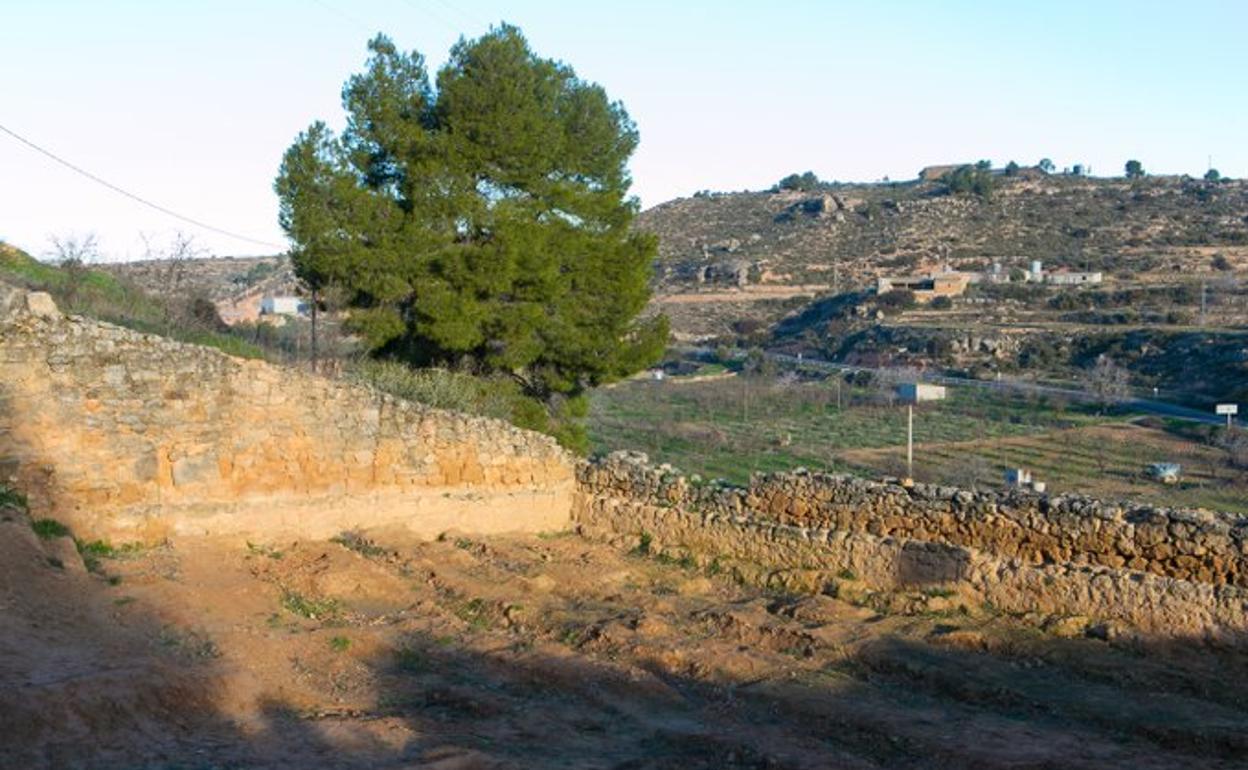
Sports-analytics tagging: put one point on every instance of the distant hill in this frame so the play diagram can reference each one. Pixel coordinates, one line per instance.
(234, 284)
(840, 237)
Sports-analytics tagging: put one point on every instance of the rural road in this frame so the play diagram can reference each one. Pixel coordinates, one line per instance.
(1145, 405)
(1148, 406)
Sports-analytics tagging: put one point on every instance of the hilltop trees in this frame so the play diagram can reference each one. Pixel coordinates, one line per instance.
(976, 180)
(800, 182)
(1134, 169)
(1046, 165)
(483, 218)
(1212, 175)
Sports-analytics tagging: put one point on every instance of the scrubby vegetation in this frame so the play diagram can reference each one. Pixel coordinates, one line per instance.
(486, 395)
(81, 289)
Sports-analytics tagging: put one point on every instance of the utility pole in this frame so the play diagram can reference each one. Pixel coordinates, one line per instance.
(910, 441)
(1204, 292)
(314, 349)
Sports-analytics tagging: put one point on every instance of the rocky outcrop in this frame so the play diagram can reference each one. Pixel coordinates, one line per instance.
(131, 436)
(1161, 570)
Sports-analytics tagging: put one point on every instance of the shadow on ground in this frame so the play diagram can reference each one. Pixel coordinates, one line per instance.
(558, 653)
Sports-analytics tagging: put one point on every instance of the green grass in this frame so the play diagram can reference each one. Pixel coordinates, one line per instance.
(101, 295)
(356, 541)
(732, 428)
(476, 613)
(11, 498)
(48, 529)
(260, 549)
(340, 644)
(1090, 463)
(94, 551)
(309, 607)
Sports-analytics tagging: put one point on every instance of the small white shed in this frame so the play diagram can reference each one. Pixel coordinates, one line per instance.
(282, 306)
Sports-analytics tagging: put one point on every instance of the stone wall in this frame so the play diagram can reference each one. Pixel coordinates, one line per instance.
(1159, 570)
(132, 436)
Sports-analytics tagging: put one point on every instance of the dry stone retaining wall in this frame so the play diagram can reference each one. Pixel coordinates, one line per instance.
(132, 436)
(1162, 571)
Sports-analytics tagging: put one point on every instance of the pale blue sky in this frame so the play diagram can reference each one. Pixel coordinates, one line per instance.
(191, 104)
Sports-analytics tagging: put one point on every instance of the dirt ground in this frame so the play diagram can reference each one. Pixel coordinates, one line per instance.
(553, 652)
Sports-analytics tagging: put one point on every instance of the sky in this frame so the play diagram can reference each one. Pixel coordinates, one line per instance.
(189, 104)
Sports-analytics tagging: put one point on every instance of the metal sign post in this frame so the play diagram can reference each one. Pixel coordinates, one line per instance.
(1230, 410)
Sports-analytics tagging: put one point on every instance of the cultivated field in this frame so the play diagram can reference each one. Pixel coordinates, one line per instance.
(730, 428)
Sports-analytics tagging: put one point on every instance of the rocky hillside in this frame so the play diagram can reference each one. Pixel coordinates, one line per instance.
(218, 278)
(842, 235)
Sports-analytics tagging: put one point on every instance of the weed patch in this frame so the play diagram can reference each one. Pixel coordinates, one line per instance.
(48, 529)
(356, 541)
(476, 613)
(11, 498)
(264, 550)
(340, 644)
(309, 607)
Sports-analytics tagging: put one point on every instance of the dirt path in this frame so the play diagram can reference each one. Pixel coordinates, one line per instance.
(559, 653)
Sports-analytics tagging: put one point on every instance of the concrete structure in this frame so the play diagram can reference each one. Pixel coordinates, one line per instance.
(920, 392)
(282, 306)
(1068, 278)
(925, 287)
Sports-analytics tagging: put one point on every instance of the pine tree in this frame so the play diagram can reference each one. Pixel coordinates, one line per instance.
(485, 218)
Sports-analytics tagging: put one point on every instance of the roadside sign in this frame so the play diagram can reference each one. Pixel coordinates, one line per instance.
(1228, 409)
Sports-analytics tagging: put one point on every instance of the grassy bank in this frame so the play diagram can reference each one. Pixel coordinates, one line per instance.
(100, 295)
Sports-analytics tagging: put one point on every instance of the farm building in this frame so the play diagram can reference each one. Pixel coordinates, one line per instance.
(926, 287)
(1074, 279)
(282, 306)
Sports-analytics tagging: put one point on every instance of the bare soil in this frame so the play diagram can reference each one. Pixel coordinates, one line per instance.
(553, 652)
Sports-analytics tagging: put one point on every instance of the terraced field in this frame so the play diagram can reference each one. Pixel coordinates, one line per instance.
(1104, 461)
(730, 428)
(733, 427)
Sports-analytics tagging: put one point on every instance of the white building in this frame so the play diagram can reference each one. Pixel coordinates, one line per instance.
(1074, 279)
(282, 306)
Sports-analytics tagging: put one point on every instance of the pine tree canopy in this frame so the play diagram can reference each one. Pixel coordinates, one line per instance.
(482, 217)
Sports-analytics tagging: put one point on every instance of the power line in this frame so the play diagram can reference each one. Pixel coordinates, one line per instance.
(464, 14)
(425, 9)
(132, 196)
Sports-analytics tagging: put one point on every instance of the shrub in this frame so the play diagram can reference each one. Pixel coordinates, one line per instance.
(11, 498)
(897, 299)
(48, 529)
(976, 180)
(942, 303)
(483, 395)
